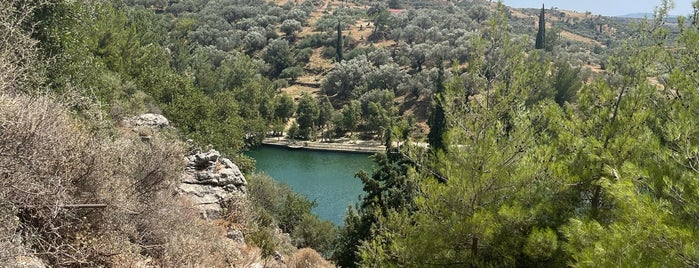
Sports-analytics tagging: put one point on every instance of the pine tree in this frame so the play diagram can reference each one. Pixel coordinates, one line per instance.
(388, 188)
(479, 215)
(541, 34)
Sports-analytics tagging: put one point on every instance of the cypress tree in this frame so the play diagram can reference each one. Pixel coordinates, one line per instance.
(338, 45)
(437, 120)
(541, 34)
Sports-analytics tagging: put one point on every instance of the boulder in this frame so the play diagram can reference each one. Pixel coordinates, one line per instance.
(237, 236)
(210, 180)
(204, 160)
(232, 176)
(147, 120)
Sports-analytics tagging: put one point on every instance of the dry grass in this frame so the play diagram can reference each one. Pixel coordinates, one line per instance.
(579, 38)
(385, 43)
(315, 15)
(518, 14)
(307, 258)
(295, 91)
(317, 63)
(360, 31)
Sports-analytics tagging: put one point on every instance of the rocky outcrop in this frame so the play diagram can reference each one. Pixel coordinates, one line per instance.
(146, 125)
(154, 121)
(210, 180)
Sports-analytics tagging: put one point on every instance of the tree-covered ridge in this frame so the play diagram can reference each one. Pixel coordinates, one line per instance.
(293, 44)
(292, 39)
(298, 48)
(133, 61)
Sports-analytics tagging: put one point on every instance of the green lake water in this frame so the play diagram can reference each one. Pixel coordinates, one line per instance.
(327, 177)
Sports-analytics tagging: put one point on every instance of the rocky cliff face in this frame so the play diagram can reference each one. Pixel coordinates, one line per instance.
(210, 180)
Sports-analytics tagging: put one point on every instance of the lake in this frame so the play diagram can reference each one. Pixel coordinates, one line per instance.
(327, 177)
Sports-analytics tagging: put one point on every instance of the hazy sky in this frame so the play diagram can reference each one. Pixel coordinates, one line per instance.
(605, 7)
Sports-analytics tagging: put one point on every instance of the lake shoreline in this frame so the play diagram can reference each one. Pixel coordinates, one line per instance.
(324, 176)
(339, 145)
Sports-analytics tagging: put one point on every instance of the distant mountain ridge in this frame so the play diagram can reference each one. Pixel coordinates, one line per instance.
(642, 15)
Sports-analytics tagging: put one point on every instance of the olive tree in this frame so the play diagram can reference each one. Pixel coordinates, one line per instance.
(346, 77)
(307, 114)
(290, 27)
(278, 55)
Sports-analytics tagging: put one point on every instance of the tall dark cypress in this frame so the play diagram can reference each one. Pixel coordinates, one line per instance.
(541, 34)
(437, 120)
(339, 44)
(695, 18)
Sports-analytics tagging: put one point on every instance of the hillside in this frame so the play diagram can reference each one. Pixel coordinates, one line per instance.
(93, 174)
(122, 127)
(398, 45)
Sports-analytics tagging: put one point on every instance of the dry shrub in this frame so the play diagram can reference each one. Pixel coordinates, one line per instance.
(42, 153)
(45, 163)
(153, 223)
(8, 224)
(239, 214)
(307, 258)
(250, 256)
(189, 241)
(137, 183)
(19, 61)
(36, 148)
(48, 161)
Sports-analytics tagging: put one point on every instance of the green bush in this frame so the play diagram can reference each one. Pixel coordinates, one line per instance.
(329, 52)
(303, 56)
(312, 41)
(291, 212)
(291, 73)
(311, 232)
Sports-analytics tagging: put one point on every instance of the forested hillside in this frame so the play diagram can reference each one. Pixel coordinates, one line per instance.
(515, 137)
(81, 188)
